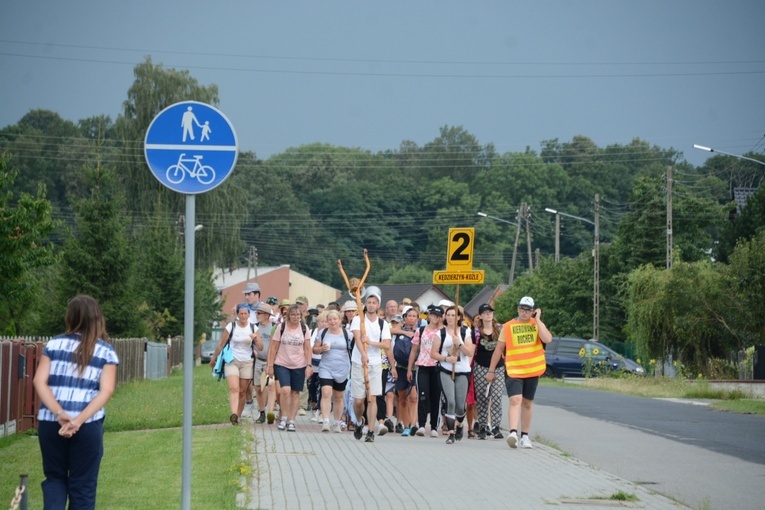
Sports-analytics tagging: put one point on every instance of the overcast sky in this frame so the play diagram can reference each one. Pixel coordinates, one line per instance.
(373, 74)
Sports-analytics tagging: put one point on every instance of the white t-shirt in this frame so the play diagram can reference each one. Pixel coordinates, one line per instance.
(241, 344)
(463, 361)
(375, 335)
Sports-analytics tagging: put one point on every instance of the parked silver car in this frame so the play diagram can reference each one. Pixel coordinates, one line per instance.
(207, 350)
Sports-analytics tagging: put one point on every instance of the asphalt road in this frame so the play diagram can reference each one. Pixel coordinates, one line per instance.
(701, 457)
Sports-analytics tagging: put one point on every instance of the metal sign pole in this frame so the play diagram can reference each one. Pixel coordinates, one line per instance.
(188, 351)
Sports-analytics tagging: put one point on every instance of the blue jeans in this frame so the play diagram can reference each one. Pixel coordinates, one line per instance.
(70, 465)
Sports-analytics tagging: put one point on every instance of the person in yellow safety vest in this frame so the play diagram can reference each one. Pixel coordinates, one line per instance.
(521, 343)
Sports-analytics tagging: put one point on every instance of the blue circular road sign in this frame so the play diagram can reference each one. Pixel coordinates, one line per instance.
(191, 147)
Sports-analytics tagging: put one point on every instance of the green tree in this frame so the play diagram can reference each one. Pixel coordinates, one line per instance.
(746, 275)
(673, 311)
(25, 225)
(98, 259)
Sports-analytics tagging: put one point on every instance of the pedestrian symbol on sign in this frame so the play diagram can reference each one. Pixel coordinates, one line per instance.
(191, 138)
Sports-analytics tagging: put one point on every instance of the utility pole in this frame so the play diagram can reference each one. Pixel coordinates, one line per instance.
(557, 237)
(255, 256)
(250, 255)
(669, 217)
(596, 273)
(515, 246)
(528, 236)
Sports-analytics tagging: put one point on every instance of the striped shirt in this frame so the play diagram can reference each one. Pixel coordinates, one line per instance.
(73, 392)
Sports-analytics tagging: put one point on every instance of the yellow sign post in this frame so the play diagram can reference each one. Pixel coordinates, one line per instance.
(459, 267)
(459, 255)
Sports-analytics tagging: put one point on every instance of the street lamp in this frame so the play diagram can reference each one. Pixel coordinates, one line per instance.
(595, 255)
(515, 247)
(710, 149)
(498, 219)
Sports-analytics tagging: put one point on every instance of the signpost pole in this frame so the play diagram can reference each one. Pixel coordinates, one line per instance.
(188, 351)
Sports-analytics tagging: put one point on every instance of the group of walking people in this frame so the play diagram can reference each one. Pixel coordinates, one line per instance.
(438, 370)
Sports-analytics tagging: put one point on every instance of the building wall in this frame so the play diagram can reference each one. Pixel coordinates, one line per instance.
(281, 282)
(314, 290)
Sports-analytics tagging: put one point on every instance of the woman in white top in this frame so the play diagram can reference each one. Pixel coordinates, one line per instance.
(454, 356)
(239, 372)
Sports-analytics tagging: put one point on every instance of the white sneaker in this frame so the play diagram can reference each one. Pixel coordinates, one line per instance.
(381, 429)
(247, 411)
(338, 427)
(301, 412)
(512, 440)
(421, 431)
(291, 426)
(315, 416)
(525, 442)
(325, 426)
(433, 433)
(282, 424)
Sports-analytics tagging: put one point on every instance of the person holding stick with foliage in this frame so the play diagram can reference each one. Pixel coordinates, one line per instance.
(75, 379)
(521, 342)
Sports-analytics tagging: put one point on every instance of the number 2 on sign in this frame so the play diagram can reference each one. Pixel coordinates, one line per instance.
(460, 253)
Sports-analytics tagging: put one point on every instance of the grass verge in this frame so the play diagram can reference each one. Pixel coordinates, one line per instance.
(727, 400)
(142, 460)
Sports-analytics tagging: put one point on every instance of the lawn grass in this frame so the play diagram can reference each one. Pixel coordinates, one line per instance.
(650, 387)
(141, 467)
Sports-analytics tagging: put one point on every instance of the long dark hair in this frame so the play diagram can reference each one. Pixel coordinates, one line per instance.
(84, 316)
(478, 327)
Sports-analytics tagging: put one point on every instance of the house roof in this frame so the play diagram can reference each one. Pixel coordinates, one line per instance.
(398, 292)
(484, 296)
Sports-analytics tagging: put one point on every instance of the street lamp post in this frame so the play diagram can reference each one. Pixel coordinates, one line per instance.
(595, 255)
(515, 248)
(710, 149)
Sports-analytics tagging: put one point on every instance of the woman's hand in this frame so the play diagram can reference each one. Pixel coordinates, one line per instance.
(325, 348)
(409, 374)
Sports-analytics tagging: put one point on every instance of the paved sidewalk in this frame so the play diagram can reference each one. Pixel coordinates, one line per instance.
(310, 469)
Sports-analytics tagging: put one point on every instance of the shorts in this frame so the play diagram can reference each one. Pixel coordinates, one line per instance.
(526, 387)
(240, 369)
(402, 383)
(336, 386)
(292, 377)
(258, 369)
(358, 391)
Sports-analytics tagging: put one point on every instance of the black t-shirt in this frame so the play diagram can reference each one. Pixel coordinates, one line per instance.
(485, 349)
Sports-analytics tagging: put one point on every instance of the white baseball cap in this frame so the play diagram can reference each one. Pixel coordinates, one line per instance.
(527, 301)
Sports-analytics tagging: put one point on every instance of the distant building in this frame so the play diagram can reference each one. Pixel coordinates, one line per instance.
(279, 281)
(423, 293)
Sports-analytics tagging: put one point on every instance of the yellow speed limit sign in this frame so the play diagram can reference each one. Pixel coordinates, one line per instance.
(459, 256)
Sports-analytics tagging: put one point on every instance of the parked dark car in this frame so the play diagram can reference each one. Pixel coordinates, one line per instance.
(568, 356)
(207, 350)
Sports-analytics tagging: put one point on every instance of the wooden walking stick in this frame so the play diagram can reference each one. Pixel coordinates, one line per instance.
(355, 287)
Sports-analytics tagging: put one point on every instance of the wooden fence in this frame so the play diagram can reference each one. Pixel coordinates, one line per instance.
(18, 364)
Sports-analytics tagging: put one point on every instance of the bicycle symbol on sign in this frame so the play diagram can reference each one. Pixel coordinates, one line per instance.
(205, 174)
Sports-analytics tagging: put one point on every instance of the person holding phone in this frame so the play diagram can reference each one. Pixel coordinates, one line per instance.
(521, 342)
